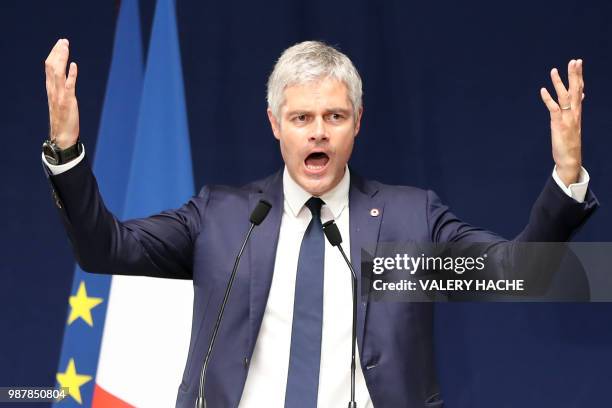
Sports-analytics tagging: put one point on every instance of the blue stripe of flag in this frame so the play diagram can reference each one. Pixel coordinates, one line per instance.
(113, 157)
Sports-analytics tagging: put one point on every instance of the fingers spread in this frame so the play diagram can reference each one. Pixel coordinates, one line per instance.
(562, 94)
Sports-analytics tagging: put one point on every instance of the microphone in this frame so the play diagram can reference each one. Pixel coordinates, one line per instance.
(257, 216)
(335, 239)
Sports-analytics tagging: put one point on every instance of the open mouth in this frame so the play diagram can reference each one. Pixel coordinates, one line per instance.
(316, 161)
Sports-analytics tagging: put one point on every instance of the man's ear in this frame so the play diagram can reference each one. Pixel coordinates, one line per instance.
(358, 120)
(274, 124)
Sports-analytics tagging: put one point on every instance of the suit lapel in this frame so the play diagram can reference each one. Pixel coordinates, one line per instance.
(262, 252)
(364, 230)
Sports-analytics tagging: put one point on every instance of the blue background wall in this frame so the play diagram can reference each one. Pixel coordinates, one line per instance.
(451, 103)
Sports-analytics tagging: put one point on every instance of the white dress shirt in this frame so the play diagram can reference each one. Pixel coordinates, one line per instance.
(269, 365)
(267, 376)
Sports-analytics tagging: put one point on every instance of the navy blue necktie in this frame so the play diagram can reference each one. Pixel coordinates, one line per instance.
(305, 357)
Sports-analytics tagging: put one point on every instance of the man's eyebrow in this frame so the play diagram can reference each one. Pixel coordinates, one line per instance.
(298, 112)
(339, 110)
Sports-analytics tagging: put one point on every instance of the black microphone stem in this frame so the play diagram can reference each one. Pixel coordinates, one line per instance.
(201, 401)
(332, 233)
(352, 403)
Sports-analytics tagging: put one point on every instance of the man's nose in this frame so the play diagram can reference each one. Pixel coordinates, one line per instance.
(319, 131)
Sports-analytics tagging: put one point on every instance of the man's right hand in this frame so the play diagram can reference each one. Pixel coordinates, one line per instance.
(63, 106)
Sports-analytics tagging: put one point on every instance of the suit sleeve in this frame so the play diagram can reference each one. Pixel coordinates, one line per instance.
(555, 217)
(159, 246)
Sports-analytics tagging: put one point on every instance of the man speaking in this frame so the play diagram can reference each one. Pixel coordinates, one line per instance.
(285, 339)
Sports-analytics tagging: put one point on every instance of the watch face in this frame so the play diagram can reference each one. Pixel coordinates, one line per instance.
(50, 154)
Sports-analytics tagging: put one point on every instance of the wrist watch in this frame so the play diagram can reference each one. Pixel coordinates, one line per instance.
(56, 155)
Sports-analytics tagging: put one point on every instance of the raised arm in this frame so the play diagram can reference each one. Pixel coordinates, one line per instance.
(565, 203)
(161, 245)
(61, 96)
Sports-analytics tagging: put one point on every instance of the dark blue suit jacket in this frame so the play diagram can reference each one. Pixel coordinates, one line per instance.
(200, 240)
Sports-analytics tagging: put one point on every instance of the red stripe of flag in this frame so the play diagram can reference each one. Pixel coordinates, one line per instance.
(104, 399)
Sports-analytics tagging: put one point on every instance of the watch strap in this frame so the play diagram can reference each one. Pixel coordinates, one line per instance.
(57, 156)
(70, 153)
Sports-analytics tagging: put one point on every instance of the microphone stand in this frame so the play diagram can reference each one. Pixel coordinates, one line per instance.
(257, 216)
(335, 239)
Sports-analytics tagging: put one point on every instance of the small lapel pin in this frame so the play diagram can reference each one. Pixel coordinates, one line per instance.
(374, 212)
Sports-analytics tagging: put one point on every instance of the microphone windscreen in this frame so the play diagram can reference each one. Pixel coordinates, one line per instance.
(260, 212)
(332, 233)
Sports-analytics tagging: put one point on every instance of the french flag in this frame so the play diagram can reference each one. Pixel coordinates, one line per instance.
(126, 338)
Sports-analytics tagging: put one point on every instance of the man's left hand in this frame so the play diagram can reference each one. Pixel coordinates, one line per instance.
(565, 118)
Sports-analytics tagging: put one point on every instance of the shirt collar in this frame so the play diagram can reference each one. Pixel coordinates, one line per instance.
(336, 199)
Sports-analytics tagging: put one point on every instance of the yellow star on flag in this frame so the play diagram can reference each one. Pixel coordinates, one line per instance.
(81, 305)
(73, 381)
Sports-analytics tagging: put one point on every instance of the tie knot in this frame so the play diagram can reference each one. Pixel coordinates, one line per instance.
(314, 205)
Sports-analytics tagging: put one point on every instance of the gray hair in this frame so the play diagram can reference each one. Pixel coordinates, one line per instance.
(310, 61)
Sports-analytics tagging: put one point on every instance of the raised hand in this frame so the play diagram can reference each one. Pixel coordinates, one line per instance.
(565, 121)
(61, 97)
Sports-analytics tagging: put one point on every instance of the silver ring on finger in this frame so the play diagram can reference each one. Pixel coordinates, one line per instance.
(568, 107)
